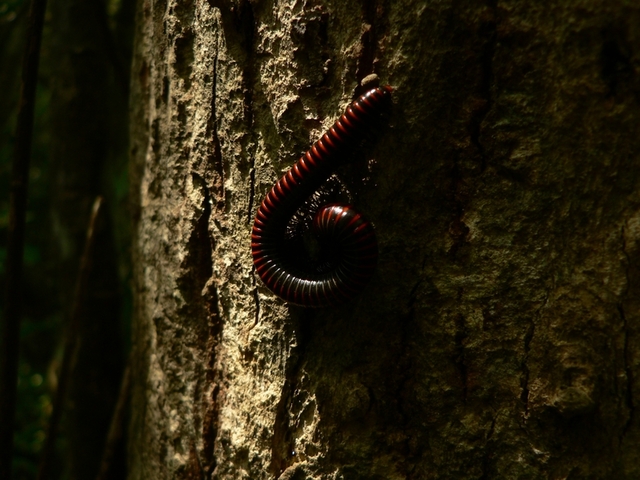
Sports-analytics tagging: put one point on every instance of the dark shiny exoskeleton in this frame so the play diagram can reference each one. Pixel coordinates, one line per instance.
(339, 228)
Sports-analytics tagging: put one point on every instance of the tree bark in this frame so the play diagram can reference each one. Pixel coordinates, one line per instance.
(499, 337)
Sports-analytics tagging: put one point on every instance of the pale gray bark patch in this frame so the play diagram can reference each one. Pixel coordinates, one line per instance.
(499, 337)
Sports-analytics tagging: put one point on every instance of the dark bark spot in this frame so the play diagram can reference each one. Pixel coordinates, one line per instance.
(166, 88)
(459, 356)
(487, 32)
(524, 379)
(309, 33)
(616, 67)
(184, 57)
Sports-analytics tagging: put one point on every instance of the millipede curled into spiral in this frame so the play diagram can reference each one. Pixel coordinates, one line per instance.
(339, 229)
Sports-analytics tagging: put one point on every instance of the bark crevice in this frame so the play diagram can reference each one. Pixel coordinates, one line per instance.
(629, 397)
(488, 31)
(459, 357)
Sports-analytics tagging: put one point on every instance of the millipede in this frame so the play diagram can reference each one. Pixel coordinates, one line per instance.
(343, 235)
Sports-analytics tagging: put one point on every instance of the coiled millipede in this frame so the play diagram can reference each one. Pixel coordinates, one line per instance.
(338, 228)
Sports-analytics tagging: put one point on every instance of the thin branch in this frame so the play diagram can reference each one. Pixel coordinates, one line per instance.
(10, 336)
(72, 341)
(116, 429)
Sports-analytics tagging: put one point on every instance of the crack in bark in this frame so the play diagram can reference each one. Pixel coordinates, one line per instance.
(457, 228)
(239, 26)
(214, 392)
(282, 441)
(198, 286)
(256, 299)
(459, 356)
(487, 33)
(200, 257)
(489, 452)
(524, 381)
(214, 376)
(252, 189)
(193, 468)
(629, 374)
(492, 427)
(212, 129)
(238, 23)
(528, 337)
(626, 354)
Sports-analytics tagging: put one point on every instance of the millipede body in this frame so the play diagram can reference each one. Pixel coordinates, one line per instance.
(346, 241)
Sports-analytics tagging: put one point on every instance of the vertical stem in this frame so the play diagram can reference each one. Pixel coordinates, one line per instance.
(116, 429)
(10, 335)
(72, 341)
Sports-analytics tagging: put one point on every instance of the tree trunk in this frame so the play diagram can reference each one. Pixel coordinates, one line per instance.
(499, 337)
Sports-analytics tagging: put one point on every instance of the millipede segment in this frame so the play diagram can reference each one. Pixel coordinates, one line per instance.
(339, 229)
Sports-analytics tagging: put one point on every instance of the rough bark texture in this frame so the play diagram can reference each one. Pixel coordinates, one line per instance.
(500, 337)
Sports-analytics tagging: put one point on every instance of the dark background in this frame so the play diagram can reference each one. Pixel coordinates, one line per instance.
(79, 151)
